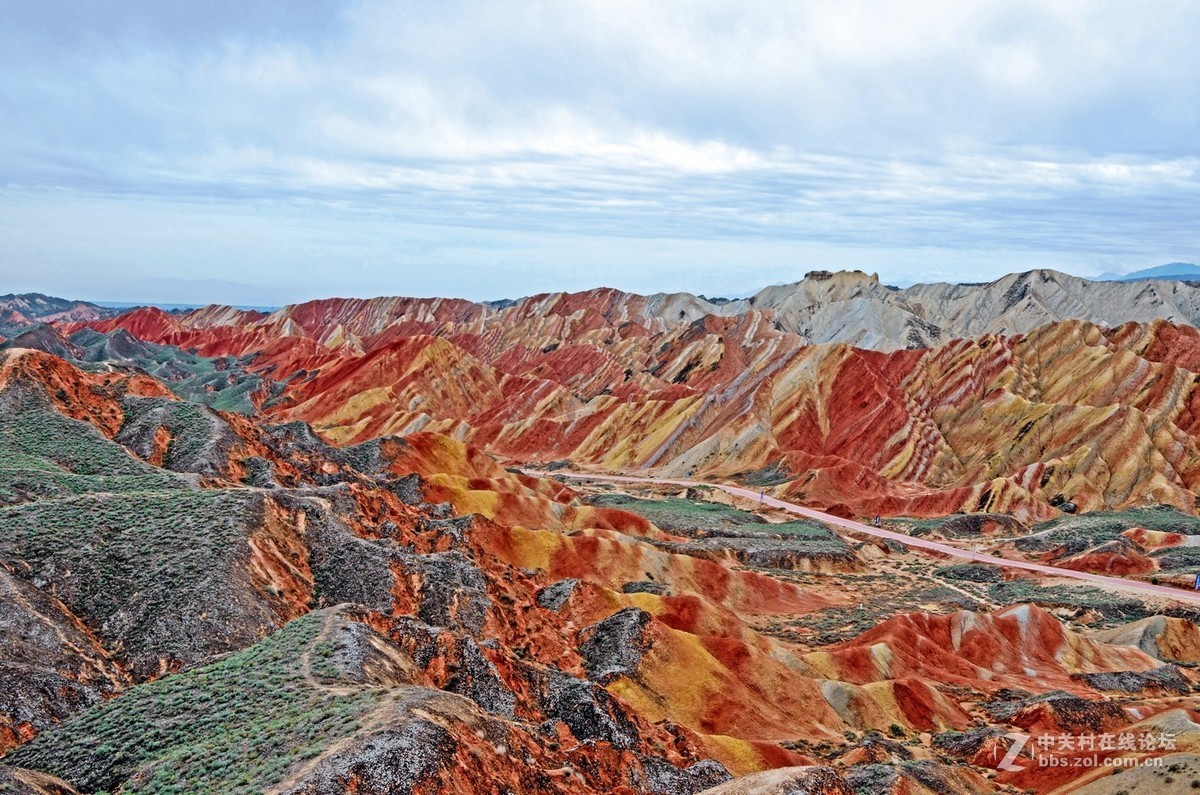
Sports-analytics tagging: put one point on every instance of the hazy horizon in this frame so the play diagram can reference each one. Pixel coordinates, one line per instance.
(184, 305)
(256, 153)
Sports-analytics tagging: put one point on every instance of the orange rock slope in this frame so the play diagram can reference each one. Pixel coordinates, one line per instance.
(512, 593)
(1103, 417)
(756, 702)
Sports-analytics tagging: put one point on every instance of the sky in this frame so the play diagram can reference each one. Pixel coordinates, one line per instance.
(263, 153)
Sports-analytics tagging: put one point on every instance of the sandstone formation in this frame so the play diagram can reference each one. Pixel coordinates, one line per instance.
(405, 614)
(1038, 392)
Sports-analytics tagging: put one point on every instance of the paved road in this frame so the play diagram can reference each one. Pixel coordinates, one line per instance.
(1111, 583)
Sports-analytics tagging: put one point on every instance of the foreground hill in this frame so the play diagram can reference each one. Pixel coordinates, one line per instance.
(1036, 390)
(197, 601)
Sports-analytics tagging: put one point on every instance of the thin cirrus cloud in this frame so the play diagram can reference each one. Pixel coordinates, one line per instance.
(487, 150)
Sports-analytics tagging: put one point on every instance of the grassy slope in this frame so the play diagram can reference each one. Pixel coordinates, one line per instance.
(43, 453)
(233, 726)
(686, 516)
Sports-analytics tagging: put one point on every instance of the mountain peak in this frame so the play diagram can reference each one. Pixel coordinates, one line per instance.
(852, 276)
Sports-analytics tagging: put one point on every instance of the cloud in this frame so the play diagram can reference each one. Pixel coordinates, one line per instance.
(1064, 131)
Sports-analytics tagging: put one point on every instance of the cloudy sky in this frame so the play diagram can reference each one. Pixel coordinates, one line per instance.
(266, 152)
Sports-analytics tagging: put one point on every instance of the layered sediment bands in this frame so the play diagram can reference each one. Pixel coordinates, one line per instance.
(445, 666)
(1015, 417)
(1020, 646)
(407, 614)
(1161, 637)
(92, 397)
(1116, 557)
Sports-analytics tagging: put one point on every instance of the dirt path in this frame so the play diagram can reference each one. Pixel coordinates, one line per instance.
(306, 658)
(368, 721)
(1099, 580)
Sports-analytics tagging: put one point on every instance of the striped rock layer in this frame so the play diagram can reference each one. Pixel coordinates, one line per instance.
(1104, 416)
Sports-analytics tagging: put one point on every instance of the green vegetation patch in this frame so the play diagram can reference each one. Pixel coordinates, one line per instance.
(221, 382)
(883, 596)
(917, 526)
(803, 529)
(971, 572)
(234, 726)
(128, 541)
(1109, 605)
(773, 475)
(676, 514)
(716, 528)
(200, 440)
(1178, 558)
(163, 572)
(1099, 526)
(45, 454)
(1086, 530)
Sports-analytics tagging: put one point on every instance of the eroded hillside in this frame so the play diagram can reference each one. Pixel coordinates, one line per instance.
(192, 588)
(1030, 408)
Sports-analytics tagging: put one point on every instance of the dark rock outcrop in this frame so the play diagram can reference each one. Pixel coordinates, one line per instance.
(410, 753)
(453, 591)
(768, 552)
(1168, 679)
(555, 595)
(590, 711)
(1070, 713)
(966, 744)
(50, 666)
(646, 586)
(660, 777)
(922, 776)
(198, 439)
(614, 647)
(464, 668)
(43, 337)
(163, 576)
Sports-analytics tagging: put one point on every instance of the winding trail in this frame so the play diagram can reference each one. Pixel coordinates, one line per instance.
(1100, 580)
(327, 624)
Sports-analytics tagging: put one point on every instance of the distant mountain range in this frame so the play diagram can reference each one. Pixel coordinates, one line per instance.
(844, 306)
(929, 399)
(19, 311)
(125, 306)
(1184, 271)
(24, 310)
